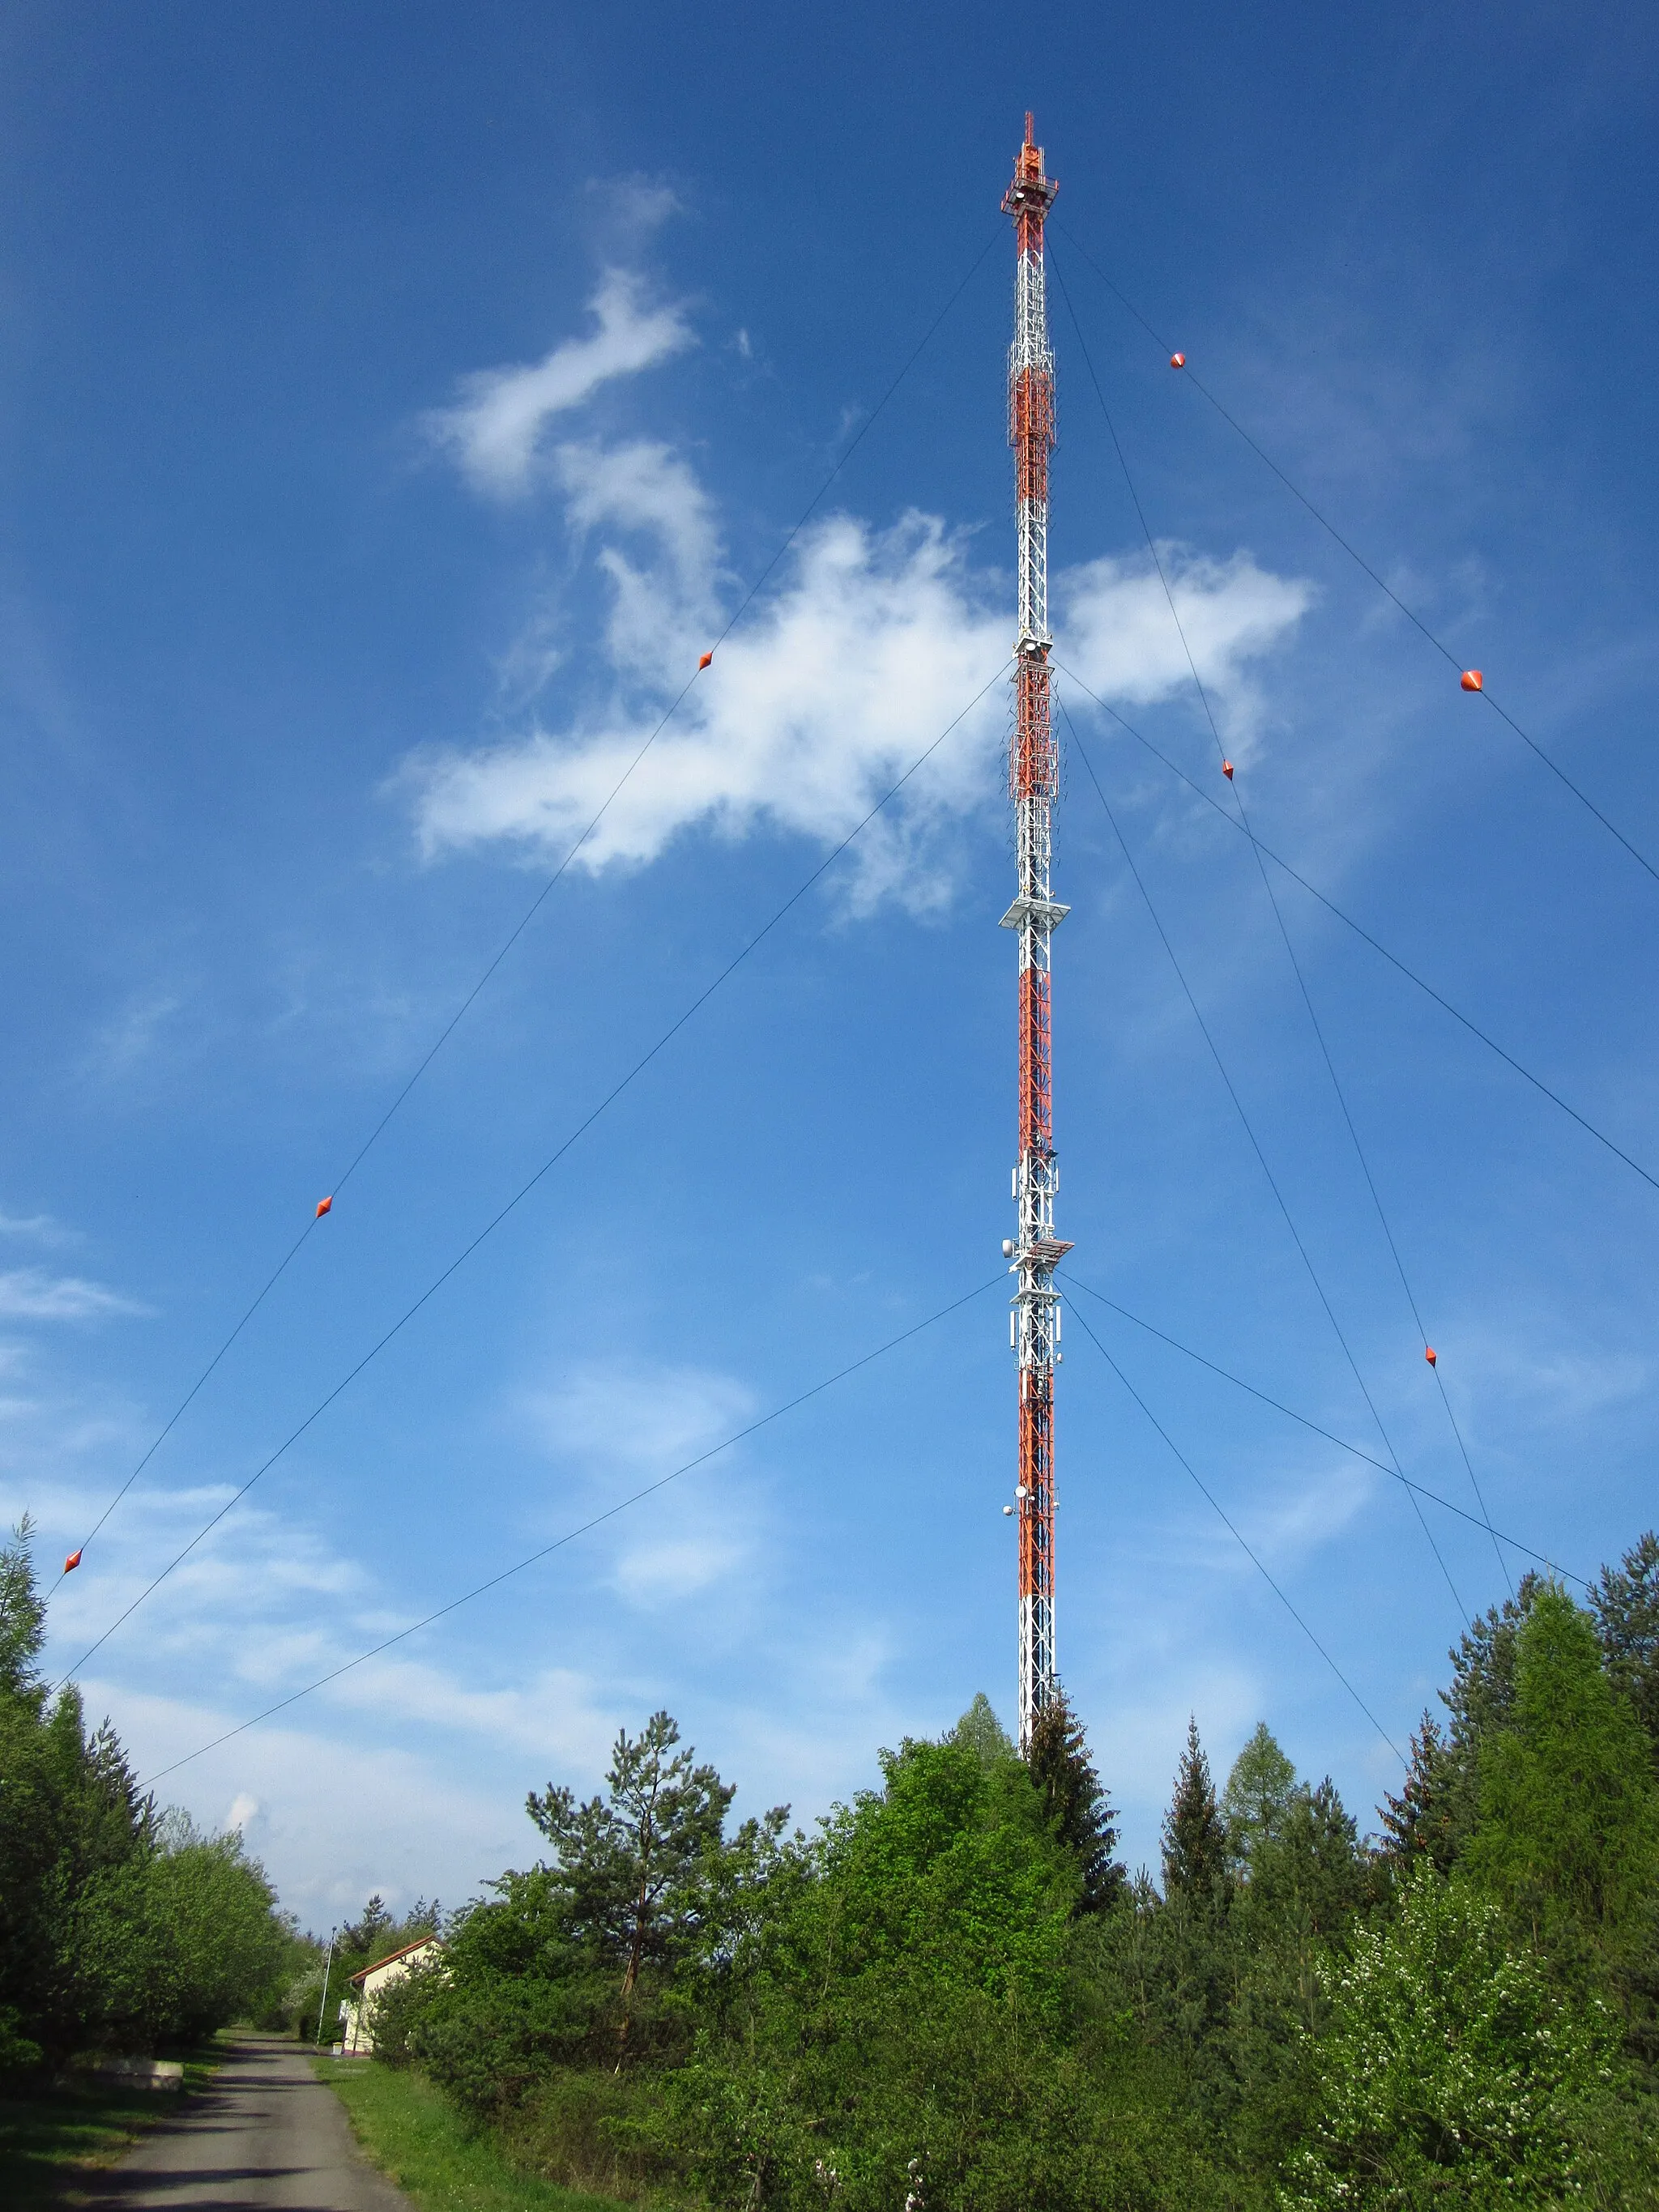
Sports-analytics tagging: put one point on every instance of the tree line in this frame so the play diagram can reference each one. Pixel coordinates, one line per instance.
(123, 1927)
(953, 1997)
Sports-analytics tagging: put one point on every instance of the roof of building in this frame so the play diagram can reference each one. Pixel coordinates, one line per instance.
(421, 1943)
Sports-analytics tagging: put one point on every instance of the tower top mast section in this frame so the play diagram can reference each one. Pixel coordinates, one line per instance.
(1035, 1249)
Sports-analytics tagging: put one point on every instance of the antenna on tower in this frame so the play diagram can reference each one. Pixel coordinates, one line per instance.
(1032, 780)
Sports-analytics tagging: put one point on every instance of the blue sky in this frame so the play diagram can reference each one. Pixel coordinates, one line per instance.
(394, 404)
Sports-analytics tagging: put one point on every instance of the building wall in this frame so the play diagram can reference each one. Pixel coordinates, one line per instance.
(357, 2013)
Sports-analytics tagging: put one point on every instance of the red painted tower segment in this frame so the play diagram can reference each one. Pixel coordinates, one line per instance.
(1032, 773)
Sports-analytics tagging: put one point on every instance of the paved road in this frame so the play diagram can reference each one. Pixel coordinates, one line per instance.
(265, 2133)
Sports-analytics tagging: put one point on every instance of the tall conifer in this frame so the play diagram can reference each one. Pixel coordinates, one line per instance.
(1422, 1821)
(1626, 1603)
(1059, 1763)
(1195, 1834)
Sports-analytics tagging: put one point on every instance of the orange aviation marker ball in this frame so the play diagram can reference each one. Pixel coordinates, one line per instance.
(323, 1205)
(1429, 1354)
(1227, 769)
(1177, 361)
(71, 1562)
(704, 662)
(1470, 679)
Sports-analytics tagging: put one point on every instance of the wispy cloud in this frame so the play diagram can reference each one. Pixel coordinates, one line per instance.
(665, 1570)
(31, 1294)
(38, 1228)
(494, 428)
(1294, 1519)
(634, 207)
(636, 1417)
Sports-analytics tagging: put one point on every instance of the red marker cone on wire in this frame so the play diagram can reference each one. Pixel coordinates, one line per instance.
(323, 1206)
(1470, 680)
(704, 662)
(1429, 1354)
(1227, 769)
(71, 1562)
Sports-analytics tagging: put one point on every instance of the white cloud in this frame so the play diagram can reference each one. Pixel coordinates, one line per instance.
(1296, 1518)
(659, 613)
(552, 1715)
(636, 206)
(494, 428)
(339, 1817)
(665, 1570)
(31, 1294)
(639, 1417)
(244, 1808)
(1113, 627)
(124, 1043)
(820, 702)
(38, 1228)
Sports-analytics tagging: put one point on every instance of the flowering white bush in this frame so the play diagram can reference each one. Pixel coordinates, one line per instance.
(1454, 2073)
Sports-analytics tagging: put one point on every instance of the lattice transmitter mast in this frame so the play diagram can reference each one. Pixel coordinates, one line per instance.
(1034, 1249)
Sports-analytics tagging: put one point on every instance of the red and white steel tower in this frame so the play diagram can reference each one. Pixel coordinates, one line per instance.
(1034, 1249)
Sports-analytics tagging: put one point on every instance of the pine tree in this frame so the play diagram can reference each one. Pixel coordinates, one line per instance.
(631, 1864)
(1073, 1802)
(1195, 1834)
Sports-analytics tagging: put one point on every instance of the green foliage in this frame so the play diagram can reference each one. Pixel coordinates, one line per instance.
(1074, 1803)
(979, 1731)
(1195, 1853)
(567, 1964)
(1424, 1822)
(115, 1929)
(1625, 1604)
(434, 2153)
(22, 1618)
(1454, 2072)
(313, 2004)
(951, 1864)
(948, 1998)
(178, 1939)
(906, 2004)
(631, 1867)
(1568, 1830)
(1257, 1799)
(1445, 1785)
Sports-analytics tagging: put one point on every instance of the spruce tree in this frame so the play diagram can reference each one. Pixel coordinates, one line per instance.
(1421, 1822)
(1073, 1802)
(1626, 1603)
(1195, 1834)
(1483, 1668)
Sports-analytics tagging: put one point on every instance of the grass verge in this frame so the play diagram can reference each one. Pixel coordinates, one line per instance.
(414, 2135)
(49, 2136)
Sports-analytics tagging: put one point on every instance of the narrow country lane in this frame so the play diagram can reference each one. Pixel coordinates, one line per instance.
(266, 2132)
